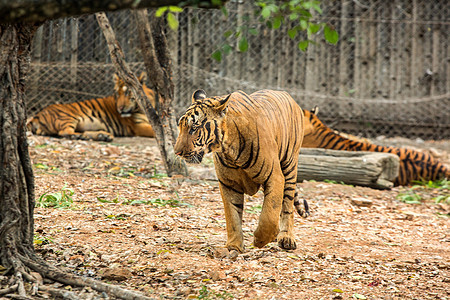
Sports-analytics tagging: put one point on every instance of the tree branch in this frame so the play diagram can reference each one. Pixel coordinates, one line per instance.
(14, 11)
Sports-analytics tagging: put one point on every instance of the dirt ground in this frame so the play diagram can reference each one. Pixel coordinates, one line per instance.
(130, 225)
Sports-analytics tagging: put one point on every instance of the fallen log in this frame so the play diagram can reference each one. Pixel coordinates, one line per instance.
(373, 169)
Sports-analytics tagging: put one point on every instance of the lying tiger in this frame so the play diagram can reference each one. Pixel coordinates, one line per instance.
(256, 142)
(97, 119)
(414, 165)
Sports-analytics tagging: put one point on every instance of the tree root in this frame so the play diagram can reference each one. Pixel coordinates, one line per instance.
(57, 275)
(17, 289)
(9, 290)
(59, 293)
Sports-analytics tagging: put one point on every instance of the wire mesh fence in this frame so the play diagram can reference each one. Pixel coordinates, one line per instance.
(388, 75)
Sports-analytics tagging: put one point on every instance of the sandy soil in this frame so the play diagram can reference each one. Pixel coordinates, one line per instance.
(130, 225)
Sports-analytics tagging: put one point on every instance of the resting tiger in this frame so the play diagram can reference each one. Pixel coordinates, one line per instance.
(256, 141)
(97, 119)
(414, 165)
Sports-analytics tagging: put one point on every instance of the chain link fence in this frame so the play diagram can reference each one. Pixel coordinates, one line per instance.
(388, 75)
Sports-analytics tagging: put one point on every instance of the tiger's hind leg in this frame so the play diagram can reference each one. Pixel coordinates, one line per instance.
(286, 238)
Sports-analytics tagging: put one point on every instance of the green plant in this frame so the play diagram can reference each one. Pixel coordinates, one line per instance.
(254, 209)
(168, 202)
(61, 199)
(292, 17)
(41, 240)
(156, 201)
(437, 184)
(410, 197)
(336, 182)
(204, 293)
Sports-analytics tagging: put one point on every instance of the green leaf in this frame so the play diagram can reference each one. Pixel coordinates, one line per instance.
(313, 28)
(293, 16)
(303, 45)
(217, 55)
(316, 6)
(277, 22)
(265, 12)
(338, 291)
(359, 296)
(292, 33)
(303, 24)
(253, 31)
(160, 11)
(224, 11)
(243, 44)
(331, 35)
(175, 9)
(172, 21)
(226, 49)
(228, 33)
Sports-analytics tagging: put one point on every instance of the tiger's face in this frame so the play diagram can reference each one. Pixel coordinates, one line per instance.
(126, 103)
(200, 128)
(34, 126)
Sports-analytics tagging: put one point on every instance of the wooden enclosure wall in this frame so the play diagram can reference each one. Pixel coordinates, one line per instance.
(388, 75)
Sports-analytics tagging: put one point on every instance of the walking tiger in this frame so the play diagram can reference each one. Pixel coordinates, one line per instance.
(256, 141)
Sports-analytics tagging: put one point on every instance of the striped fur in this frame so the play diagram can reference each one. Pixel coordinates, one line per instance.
(97, 119)
(256, 142)
(414, 165)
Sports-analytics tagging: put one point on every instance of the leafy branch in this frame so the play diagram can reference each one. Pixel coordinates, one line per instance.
(293, 16)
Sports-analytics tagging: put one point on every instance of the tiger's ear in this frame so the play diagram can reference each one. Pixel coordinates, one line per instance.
(315, 110)
(142, 77)
(198, 95)
(117, 82)
(221, 105)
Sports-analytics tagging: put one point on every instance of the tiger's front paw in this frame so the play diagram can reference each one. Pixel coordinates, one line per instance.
(264, 236)
(286, 242)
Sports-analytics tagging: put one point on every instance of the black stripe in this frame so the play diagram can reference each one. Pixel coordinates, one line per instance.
(230, 187)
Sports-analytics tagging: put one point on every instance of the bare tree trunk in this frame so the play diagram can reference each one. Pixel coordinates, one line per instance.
(158, 63)
(16, 174)
(17, 253)
(158, 68)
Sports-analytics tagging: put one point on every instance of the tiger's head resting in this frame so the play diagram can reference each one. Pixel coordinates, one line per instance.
(201, 127)
(126, 103)
(34, 126)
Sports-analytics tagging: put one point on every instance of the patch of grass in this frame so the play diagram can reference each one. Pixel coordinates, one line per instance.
(157, 201)
(409, 197)
(254, 209)
(61, 199)
(413, 194)
(46, 169)
(168, 202)
(336, 182)
(206, 294)
(41, 240)
(437, 184)
(442, 199)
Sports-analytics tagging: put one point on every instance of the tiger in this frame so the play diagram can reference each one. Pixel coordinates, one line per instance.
(96, 119)
(255, 140)
(414, 165)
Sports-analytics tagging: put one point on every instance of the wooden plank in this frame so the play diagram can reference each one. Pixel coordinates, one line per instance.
(373, 169)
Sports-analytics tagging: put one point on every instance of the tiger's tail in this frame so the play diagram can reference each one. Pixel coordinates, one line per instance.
(302, 210)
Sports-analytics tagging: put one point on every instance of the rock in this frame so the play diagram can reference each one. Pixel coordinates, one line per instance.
(118, 274)
(221, 252)
(217, 275)
(364, 202)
